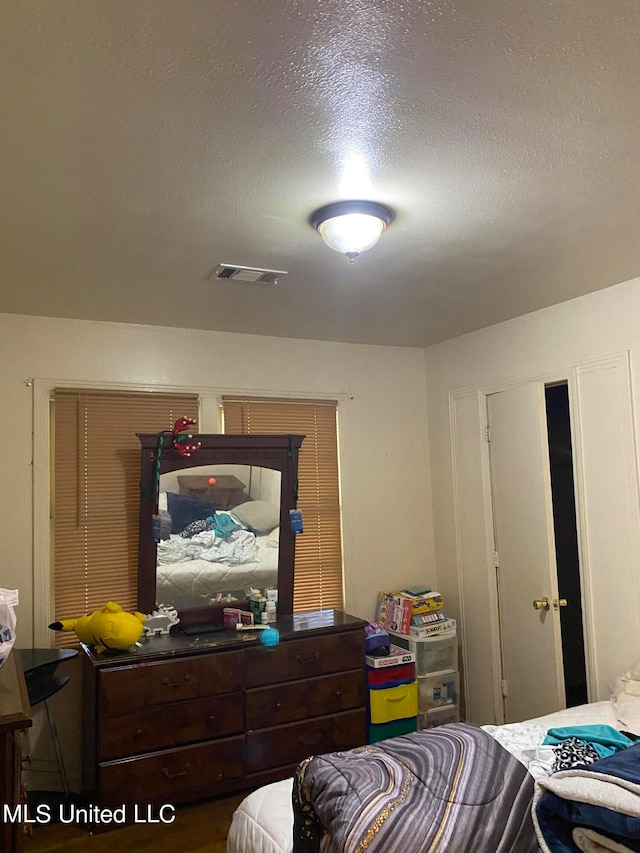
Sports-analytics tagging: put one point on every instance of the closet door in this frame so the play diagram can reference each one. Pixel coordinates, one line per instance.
(609, 517)
(531, 643)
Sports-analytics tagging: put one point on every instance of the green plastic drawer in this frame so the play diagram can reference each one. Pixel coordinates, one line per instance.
(393, 729)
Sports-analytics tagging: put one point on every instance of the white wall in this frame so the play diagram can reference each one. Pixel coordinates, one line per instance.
(388, 539)
(547, 341)
(383, 454)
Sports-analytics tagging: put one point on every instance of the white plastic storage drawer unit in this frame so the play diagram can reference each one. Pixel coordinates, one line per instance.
(434, 691)
(438, 717)
(433, 654)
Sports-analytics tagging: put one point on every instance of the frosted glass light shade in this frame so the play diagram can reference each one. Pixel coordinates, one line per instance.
(351, 227)
(352, 233)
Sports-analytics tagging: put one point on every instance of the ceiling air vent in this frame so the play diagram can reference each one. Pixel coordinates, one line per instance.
(238, 273)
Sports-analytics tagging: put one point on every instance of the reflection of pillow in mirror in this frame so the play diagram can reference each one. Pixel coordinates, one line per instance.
(273, 539)
(259, 516)
(184, 509)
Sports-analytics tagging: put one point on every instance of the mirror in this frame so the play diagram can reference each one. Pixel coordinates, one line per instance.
(221, 536)
(221, 521)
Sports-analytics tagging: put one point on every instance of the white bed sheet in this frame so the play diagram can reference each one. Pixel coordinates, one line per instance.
(524, 740)
(263, 822)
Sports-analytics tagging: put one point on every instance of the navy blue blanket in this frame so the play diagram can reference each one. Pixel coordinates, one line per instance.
(603, 798)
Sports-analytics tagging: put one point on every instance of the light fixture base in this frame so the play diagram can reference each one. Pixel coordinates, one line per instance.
(344, 208)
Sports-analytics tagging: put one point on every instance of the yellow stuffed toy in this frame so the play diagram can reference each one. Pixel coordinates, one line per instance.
(110, 628)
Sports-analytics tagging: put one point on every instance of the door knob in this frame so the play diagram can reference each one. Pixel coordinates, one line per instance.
(559, 602)
(541, 603)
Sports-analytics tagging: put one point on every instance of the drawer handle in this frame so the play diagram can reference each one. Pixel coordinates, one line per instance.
(311, 741)
(171, 775)
(184, 681)
(305, 661)
(338, 693)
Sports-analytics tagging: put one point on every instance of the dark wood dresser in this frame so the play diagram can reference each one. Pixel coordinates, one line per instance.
(15, 716)
(184, 718)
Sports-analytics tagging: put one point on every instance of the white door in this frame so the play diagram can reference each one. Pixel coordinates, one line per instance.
(531, 643)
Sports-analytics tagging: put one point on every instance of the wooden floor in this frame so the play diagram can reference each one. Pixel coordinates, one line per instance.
(200, 828)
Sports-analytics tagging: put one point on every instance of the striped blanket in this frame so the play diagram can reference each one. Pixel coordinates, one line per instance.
(453, 789)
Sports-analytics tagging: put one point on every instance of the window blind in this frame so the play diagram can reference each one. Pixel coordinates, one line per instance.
(318, 562)
(95, 493)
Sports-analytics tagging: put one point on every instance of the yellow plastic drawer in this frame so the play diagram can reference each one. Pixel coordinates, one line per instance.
(393, 703)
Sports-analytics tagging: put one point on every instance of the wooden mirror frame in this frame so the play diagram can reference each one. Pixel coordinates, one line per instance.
(279, 452)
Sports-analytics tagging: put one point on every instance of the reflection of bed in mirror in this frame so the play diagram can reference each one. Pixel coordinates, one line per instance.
(224, 534)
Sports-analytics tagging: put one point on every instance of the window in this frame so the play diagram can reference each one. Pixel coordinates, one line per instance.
(318, 564)
(95, 493)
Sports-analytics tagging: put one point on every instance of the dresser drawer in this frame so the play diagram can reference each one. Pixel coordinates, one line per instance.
(290, 744)
(299, 700)
(125, 689)
(170, 725)
(304, 658)
(162, 774)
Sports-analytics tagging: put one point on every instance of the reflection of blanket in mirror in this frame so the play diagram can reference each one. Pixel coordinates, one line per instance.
(202, 578)
(197, 577)
(234, 550)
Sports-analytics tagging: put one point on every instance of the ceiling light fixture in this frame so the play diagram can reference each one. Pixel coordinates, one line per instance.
(351, 227)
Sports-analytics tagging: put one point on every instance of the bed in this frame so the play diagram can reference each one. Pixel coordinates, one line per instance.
(496, 795)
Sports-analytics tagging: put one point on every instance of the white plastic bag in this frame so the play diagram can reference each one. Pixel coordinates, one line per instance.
(8, 600)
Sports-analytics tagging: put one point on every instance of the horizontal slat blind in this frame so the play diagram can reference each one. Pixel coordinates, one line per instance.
(318, 566)
(95, 493)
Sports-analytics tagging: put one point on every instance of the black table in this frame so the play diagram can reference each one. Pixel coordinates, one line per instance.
(43, 682)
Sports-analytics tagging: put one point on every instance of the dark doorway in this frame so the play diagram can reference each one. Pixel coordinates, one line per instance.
(566, 543)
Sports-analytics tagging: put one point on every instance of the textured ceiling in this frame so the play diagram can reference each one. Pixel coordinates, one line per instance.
(145, 141)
